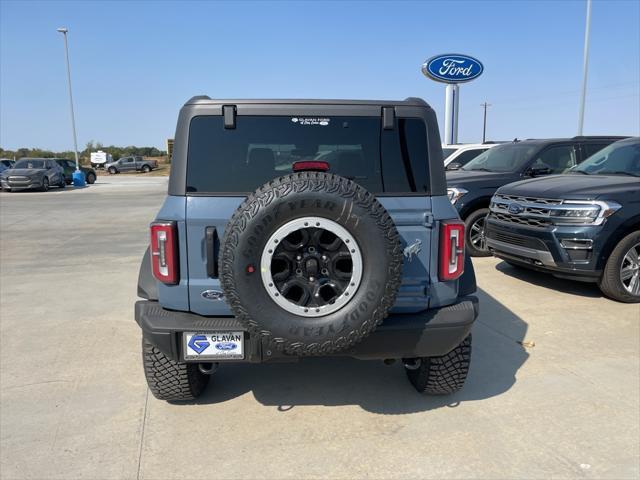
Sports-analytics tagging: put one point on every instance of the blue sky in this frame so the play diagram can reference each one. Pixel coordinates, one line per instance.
(135, 63)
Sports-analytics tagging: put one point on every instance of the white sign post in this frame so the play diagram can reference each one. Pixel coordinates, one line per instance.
(451, 104)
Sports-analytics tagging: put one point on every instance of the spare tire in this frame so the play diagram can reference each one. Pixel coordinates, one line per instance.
(311, 262)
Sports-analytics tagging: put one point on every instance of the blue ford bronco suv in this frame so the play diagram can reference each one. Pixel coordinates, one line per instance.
(297, 228)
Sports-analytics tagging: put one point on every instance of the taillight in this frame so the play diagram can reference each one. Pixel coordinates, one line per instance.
(451, 250)
(164, 252)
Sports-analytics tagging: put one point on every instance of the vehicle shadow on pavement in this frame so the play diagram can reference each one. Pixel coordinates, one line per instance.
(375, 387)
(546, 280)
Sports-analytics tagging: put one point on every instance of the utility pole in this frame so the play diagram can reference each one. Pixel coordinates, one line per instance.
(484, 123)
(585, 67)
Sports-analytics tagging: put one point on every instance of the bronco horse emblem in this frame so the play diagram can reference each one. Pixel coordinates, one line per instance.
(413, 249)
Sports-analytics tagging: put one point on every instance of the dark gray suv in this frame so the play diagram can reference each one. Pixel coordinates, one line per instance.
(583, 225)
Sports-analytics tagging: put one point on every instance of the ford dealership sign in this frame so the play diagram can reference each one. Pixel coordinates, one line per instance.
(452, 68)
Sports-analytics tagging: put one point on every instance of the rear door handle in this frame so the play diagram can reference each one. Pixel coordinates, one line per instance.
(212, 244)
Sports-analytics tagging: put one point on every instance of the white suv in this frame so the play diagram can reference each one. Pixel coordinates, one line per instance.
(461, 154)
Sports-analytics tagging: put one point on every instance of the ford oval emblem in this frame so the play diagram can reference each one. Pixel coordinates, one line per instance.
(212, 295)
(452, 68)
(515, 208)
(226, 346)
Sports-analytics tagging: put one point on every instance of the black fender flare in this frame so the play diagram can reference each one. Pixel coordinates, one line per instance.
(467, 283)
(147, 286)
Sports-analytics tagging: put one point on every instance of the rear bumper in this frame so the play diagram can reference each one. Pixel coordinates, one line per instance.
(431, 333)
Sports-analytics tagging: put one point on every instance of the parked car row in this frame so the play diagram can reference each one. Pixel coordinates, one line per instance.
(40, 173)
(570, 207)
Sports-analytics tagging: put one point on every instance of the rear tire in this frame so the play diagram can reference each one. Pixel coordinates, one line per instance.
(91, 178)
(146, 169)
(475, 239)
(63, 182)
(442, 375)
(621, 276)
(170, 380)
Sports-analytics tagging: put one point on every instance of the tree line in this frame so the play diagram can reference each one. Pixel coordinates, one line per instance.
(85, 155)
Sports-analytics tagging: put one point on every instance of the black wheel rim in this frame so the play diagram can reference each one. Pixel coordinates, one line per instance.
(311, 266)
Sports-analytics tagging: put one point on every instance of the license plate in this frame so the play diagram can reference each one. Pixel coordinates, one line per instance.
(213, 345)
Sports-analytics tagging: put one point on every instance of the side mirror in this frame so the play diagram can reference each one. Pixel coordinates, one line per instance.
(538, 171)
(454, 166)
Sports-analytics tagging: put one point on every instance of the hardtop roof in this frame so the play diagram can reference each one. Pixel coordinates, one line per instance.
(206, 100)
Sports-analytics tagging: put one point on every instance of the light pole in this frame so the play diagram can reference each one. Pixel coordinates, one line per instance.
(585, 68)
(484, 122)
(78, 176)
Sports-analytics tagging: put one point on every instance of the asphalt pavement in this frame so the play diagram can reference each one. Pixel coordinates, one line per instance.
(553, 391)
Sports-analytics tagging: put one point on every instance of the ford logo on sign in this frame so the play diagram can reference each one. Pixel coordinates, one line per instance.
(226, 346)
(452, 68)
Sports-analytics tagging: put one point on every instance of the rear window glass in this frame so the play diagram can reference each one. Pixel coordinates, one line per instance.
(261, 148)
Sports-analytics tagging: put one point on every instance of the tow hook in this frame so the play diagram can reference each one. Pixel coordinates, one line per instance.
(412, 363)
(208, 368)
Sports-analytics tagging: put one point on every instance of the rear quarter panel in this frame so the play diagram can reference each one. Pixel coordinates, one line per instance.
(176, 296)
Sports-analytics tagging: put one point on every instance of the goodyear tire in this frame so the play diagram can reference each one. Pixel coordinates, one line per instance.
(311, 262)
(170, 380)
(441, 375)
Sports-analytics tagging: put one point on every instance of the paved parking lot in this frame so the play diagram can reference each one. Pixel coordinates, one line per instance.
(74, 403)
